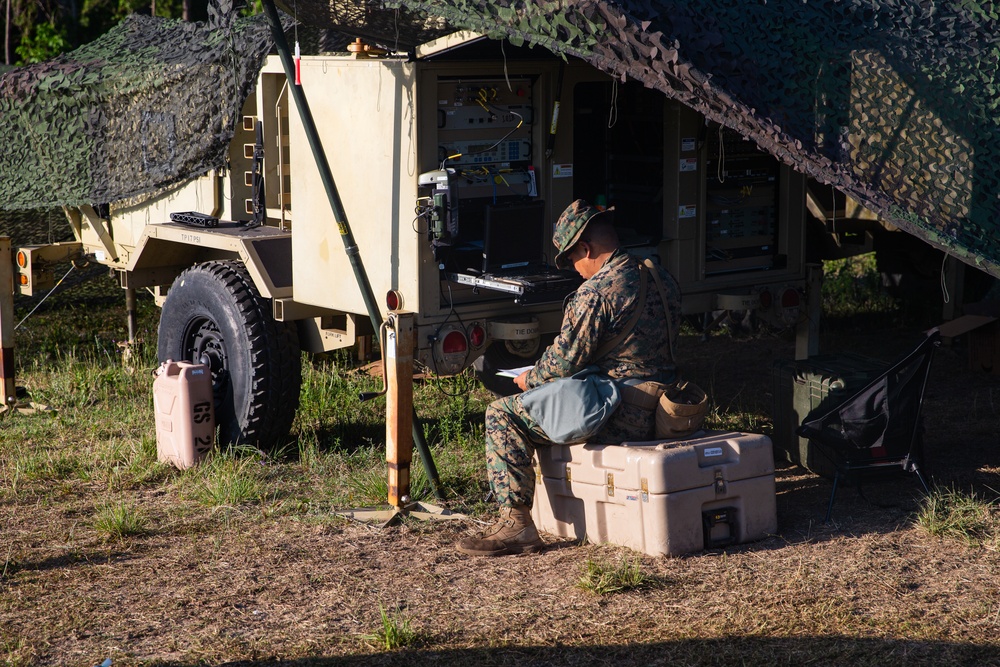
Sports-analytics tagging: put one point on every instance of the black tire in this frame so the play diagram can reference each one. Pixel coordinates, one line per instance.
(214, 315)
(498, 356)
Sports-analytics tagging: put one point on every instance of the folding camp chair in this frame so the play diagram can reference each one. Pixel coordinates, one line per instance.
(879, 426)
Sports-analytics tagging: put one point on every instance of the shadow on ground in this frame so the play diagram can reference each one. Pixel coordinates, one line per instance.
(724, 651)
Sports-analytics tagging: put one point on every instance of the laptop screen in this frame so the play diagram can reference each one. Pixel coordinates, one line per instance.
(514, 236)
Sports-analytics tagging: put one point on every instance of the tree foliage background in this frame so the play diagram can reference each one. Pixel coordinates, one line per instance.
(37, 30)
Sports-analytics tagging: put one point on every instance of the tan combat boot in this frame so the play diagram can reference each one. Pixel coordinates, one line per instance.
(513, 533)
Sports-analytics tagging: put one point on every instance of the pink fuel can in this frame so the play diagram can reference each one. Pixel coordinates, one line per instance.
(185, 413)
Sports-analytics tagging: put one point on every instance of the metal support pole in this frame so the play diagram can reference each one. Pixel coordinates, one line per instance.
(350, 247)
(130, 312)
(7, 325)
(807, 332)
(398, 362)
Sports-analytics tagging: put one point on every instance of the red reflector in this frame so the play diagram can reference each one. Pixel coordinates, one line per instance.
(477, 335)
(790, 298)
(765, 299)
(393, 299)
(454, 342)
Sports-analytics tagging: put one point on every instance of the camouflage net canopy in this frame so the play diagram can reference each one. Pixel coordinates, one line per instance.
(151, 103)
(893, 102)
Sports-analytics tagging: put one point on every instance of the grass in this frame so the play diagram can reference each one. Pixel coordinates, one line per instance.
(853, 286)
(603, 577)
(246, 551)
(395, 631)
(120, 519)
(966, 517)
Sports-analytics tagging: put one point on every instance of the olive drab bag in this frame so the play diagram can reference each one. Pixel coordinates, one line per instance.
(574, 409)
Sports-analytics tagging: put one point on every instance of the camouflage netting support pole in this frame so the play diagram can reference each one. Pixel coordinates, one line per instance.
(350, 247)
(7, 326)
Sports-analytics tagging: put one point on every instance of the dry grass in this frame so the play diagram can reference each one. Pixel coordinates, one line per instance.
(230, 567)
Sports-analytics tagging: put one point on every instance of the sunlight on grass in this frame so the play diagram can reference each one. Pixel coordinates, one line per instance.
(229, 480)
(968, 518)
(394, 633)
(602, 577)
(120, 519)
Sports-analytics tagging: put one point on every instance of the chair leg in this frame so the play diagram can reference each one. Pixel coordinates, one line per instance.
(915, 470)
(833, 494)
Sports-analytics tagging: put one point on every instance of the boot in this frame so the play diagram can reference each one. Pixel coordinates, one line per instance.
(513, 533)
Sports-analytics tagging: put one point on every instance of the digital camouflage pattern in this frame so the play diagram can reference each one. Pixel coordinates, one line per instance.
(570, 225)
(512, 437)
(597, 313)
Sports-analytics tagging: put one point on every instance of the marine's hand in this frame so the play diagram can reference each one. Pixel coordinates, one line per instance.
(522, 381)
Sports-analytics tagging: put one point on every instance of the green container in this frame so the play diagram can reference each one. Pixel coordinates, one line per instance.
(808, 388)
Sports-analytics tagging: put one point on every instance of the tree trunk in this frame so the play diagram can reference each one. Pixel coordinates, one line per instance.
(186, 10)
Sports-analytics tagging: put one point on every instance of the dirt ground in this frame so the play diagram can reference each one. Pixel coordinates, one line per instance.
(869, 588)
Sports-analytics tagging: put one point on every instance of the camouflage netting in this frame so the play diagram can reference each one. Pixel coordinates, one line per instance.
(151, 103)
(394, 27)
(894, 102)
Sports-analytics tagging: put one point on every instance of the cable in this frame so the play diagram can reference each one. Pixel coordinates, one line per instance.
(451, 312)
(944, 281)
(720, 165)
(613, 110)
(38, 305)
(489, 107)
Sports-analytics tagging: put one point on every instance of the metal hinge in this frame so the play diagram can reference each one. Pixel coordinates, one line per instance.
(611, 484)
(644, 485)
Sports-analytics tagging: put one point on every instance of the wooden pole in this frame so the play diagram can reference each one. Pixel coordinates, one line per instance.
(399, 405)
(7, 324)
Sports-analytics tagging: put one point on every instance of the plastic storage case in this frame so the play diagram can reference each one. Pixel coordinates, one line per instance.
(815, 385)
(661, 498)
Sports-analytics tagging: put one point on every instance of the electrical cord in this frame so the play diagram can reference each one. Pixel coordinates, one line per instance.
(47, 295)
(490, 108)
(436, 336)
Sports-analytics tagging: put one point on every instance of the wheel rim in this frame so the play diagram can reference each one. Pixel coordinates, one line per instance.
(203, 344)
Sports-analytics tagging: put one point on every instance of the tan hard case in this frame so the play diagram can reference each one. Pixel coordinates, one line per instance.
(661, 498)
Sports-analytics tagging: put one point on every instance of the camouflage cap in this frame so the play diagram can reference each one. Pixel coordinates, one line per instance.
(570, 226)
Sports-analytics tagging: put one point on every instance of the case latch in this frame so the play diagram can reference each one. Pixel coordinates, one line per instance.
(720, 484)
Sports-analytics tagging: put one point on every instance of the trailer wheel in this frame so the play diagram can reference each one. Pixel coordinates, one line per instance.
(214, 315)
(499, 356)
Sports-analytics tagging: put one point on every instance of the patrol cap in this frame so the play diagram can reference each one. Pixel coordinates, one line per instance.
(570, 226)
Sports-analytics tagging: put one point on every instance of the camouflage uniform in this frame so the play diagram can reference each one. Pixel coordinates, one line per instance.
(598, 312)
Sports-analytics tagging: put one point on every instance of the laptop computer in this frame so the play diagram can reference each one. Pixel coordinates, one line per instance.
(514, 238)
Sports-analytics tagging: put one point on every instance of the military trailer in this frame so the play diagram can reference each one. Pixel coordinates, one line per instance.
(452, 166)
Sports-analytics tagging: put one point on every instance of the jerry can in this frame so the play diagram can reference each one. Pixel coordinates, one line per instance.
(185, 413)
